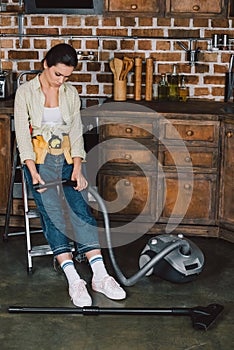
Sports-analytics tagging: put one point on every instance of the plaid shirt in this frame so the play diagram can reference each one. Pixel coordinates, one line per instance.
(28, 112)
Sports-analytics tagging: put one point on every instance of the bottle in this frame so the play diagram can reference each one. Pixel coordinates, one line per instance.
(183, 91)
(163, 88)
(173, 85)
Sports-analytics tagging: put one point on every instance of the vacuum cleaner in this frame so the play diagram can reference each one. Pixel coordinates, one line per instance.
(170, 257)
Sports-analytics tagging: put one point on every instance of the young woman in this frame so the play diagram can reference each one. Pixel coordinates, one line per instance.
(50, 141)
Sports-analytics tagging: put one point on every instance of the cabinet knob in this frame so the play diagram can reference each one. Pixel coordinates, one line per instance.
(189, 133)
(187, 159)
(229, 134)
(127, 183)
(128, 130)
(127, 156)
(187, 187)
(134, 7)
(196, 8)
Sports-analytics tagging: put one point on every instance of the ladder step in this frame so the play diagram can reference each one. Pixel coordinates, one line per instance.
(40, 250)
(33, 214)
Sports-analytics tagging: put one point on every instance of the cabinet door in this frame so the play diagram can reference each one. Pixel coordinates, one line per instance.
(133, 6)
(186, 200)
(128, 194)
(195, 7)
(5, 160)
(227, 177)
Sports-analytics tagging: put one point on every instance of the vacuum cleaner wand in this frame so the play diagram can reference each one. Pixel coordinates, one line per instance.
(202, 317)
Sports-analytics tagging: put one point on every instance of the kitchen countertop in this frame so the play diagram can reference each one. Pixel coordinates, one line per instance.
(190, 107)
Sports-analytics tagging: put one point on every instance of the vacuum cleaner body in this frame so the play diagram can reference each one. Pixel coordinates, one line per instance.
(179, 266)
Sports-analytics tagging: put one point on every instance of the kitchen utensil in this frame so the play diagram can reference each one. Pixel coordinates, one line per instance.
(128, 64)
(118, 64)
(112, 67)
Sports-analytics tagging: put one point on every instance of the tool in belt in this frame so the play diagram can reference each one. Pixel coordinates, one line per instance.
(54, 146)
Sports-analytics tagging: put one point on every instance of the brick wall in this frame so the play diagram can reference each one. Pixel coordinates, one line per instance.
(110, 37)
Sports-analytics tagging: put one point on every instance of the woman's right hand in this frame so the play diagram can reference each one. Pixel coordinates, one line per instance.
(36, 178)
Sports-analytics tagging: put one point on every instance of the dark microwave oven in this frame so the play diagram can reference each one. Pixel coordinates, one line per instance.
(80, 7)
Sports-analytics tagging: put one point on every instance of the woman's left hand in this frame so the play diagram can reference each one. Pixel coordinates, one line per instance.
(82, 183)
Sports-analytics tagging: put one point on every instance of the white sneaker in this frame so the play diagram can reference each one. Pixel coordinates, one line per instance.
(79, 294)
(109, 287)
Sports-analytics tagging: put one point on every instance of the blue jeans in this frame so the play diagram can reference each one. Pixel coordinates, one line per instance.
(64, 212)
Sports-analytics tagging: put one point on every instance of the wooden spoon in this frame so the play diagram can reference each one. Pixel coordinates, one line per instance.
(129, 65)
(118, 64)
(112, 67)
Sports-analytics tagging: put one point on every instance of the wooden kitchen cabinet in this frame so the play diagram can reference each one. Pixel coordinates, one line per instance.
(192, 8)
(127, 179)
(5, 160)
(166, 170)
(134, 7)
(188, 154)
(226, 212)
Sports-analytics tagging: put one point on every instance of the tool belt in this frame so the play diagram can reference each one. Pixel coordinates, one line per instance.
(54, 146)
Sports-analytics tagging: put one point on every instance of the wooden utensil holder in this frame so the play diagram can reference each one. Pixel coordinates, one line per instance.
(120, 90)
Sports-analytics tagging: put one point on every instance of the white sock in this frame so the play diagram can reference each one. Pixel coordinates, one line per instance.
(98, 267)
(70, 271)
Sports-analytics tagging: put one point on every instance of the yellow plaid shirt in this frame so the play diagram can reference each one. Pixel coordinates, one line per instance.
(28, 110)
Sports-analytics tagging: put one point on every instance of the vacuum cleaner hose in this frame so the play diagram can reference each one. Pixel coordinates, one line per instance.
(133, 279)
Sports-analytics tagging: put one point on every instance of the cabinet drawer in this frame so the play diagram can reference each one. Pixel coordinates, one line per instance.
(133, 5)
(192, 132)
(196, 157)
(143, 131)
(195, 6)
(125, 152)
(191, 201)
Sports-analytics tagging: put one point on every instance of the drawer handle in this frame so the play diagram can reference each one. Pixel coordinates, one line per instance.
(229, 134)
(127, 183)
(187, 187)
(187, 159)
(196, 8)
(134, 6)
(128, 130)
(189, 133)
(127, 156)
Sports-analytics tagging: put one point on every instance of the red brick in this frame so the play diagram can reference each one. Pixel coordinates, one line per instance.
(92, 44)
(39, 43)
(181, 22)
(127, 45)
(144, 44)
(213, 80)
(91, 21)
(198, 91)
(73, 21)
(55, 21)
(145, 21)
(127, 21)
(147, 32)
(92, 89)
(22, 55)
(109, 44)
(112, 32)
(38, 21)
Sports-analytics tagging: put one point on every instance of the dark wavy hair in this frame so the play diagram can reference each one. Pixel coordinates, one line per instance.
(61, 53)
